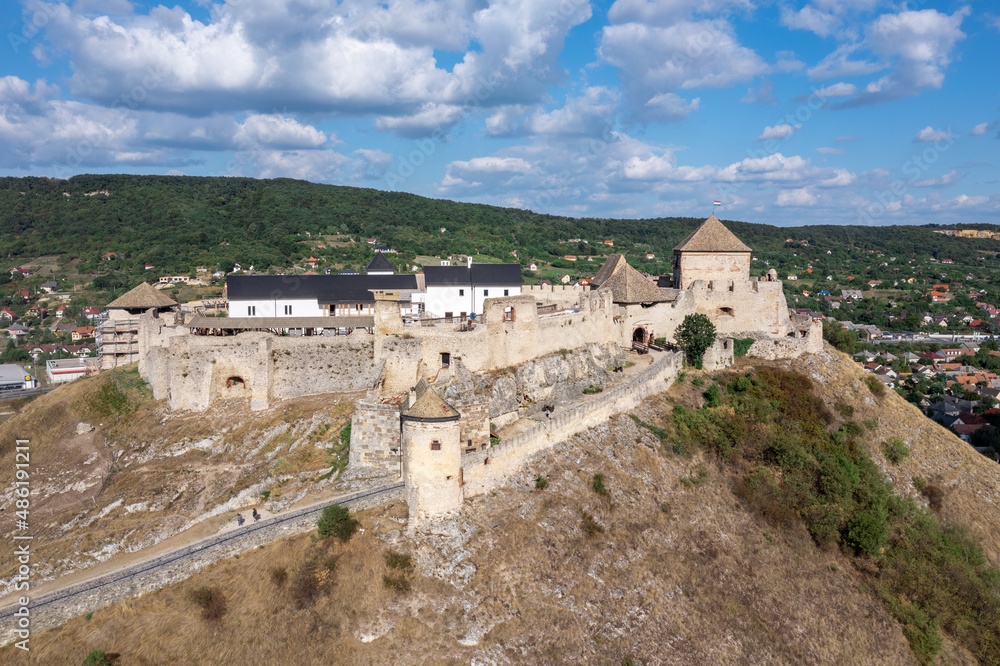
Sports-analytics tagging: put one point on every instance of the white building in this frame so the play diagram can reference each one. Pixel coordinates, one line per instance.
(59, 371)
(459, 291)
(316, 295)
(15, 378)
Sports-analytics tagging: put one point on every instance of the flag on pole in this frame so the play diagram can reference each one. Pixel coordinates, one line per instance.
(717, 202)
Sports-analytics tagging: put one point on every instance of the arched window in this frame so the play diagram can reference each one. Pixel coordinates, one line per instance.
(236, 382)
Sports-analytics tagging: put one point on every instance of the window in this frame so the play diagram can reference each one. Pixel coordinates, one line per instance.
(462, 315)
(461, 292)
(445, 359)
(288, 309)
(505, 292)
(251, 310)
(486, 292)
(435, 445)
(448, 315)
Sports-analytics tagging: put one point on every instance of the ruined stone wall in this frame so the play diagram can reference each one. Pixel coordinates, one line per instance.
(564, 295)
(474, 425)
(712, 266)
(719, 355)
(375, 437)
(193, 371)
(490, 468)
(808, 341)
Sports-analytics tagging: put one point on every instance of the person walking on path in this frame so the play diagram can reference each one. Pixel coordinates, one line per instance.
(239, 519)
(256, 516)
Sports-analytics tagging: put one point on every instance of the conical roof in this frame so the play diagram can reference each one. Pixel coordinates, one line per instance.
(429, 406)
(712, 236)
(627, 285)
(143, 296)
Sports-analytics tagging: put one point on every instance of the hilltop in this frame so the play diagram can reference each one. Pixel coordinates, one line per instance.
(701, 542)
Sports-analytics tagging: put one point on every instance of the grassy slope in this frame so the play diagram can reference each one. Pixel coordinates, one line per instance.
(706, 581)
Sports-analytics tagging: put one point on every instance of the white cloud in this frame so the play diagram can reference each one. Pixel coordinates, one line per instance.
(837, 90)
(980, 129)
(780, 131)
(929, 134)
(841, 178)
(662, 12)
(371, 164)
(669, 107)
(429, 118)
(839, 64)
(588, 115)
(762, 94)
(830, 151)
(812, 19)
(947, 179)
(921, 43)
(775, 167)
(656, 60)
(797, 197)
(317, 55)
(276, 131)
(315, 165)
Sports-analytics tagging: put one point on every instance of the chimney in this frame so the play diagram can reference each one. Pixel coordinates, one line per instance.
(469, 262)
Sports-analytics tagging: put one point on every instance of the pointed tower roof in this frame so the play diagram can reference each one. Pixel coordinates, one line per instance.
(712, 236)
(142, 297)
(379, 263)
(627, 285)
(429, 406)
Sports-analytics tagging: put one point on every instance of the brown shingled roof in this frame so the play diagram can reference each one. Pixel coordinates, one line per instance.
(627, 285)
(143, 296)
(429, 406)
(712, 236)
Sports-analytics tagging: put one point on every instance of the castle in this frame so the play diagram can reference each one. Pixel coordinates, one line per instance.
(405, 426)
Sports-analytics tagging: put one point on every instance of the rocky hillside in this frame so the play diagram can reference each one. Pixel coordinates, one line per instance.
(113, 472)
(765, 515)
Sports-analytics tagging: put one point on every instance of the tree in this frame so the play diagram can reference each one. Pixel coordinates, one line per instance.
(695, 335)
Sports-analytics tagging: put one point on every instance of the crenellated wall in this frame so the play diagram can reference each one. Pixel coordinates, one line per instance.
(487, 469)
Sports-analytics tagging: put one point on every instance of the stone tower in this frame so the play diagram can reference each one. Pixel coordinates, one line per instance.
(711, 253)
(432, 455)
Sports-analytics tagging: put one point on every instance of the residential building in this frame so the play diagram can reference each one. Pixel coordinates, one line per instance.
(454, 290)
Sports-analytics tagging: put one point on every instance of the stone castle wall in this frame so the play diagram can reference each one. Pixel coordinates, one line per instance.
(707, 267)
(375, 437)
(565, 295)
(487, 469)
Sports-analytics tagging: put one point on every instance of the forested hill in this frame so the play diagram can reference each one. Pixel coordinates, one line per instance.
(177, 222)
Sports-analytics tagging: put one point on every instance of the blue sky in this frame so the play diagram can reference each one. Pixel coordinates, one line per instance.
(827, 111)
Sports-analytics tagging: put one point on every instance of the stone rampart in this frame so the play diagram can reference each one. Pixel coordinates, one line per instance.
(490, 468)
(375, 437)
(565, 295)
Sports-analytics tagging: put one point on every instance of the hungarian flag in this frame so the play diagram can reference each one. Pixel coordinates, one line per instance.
(717, 202)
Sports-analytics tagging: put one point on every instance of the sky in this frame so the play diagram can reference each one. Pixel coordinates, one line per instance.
(820, 112)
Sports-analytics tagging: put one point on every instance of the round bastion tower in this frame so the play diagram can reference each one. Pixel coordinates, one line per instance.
(432, 455)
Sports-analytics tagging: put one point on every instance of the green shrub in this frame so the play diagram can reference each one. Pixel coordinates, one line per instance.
(712, 396)
(895, 450)
(697, 382)
(867, 531)
(541, 483)
(847, 411)
(100, 658)
(919, 483)
(345, 435)
(874, 385)
(871, 424)
(396, 583)
(336, 521)
(395, 560)
(211, 600)
(741, 346)
(852, 429)
(598, 485)
(592, 389)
